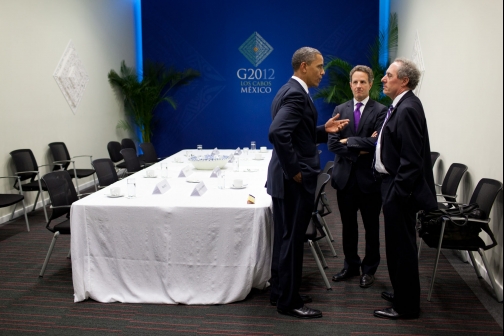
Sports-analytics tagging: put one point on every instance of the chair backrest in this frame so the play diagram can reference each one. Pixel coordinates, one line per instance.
(434, 156)
(328, 167)
(61, 192)
(452, 180)
(128, 143)
(149, 152)
(315, 225)
(59, 152)
(131, 159)
(322, 180)
(105, 171)
(24, 160)
(114, 150)
(485, 194)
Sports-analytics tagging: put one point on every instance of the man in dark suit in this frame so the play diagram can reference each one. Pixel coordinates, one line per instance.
(403, 160)
(292, 178)
(353, 177)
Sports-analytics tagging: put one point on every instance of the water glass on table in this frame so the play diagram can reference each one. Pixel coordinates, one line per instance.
(252, 145)
(164, 169)
(245, 153)
(200, 151)
(131, 187)
(221, 183)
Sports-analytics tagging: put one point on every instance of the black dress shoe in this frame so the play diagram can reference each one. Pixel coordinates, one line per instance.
(390, 313)
(305, 298)
(366, 280)
(303, 312)
(388, 296)
(345, 274)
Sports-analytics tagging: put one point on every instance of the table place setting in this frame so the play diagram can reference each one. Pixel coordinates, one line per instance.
(238, 184)
(176, 216)
(115, 192)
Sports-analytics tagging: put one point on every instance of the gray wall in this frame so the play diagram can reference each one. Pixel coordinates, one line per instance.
(462, 90)
(33, 111)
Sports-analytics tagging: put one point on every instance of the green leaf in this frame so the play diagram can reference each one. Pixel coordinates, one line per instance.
(142, 97)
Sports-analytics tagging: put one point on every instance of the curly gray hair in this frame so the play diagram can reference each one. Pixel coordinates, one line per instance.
(409, 70)
(304, 54)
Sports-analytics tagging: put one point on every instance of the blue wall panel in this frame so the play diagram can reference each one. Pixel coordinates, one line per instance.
(214, 110)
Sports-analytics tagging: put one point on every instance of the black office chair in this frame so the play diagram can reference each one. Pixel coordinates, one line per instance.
(434, 156)
(315, 230)
(149, 153)
(449, 189)
(133, 163)
(13, 199)
(128, 143)
(324, 209)
(114, 150)
(451, 183)
(105, 171)
(484, 195)
(62, 160)
(27, 169)
(62, 194)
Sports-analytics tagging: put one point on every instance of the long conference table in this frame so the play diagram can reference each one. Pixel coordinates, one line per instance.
(172, 247)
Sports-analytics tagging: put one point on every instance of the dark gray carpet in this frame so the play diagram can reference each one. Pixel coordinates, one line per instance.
(30, 305)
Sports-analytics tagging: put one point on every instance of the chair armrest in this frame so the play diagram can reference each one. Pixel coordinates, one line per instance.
(27, 171)
(62, 161)
(60, 207)
(73, 157)
(469, 219)
(15, 177)
(438, 185)
(45, 165)
(444, 195)
(85, 194)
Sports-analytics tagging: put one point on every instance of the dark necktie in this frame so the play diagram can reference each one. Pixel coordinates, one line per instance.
(357, 115)
(391, 108)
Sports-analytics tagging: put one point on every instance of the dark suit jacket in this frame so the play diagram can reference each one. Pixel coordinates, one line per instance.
(347, 156)
(294, 135)
(405, 153)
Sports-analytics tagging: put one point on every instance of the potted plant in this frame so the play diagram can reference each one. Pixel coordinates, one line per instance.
(141, 97)
(338, 91)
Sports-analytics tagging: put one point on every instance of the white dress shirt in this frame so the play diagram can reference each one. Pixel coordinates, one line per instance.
(303, 84)
(363, 102)
(380, 168)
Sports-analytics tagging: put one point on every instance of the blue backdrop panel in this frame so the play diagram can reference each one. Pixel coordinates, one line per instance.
(229, 105)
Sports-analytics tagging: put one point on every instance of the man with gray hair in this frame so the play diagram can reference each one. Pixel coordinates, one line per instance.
(403, 161)
(292, 178)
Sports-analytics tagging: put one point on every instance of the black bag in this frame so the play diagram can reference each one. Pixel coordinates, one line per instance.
(429, 223)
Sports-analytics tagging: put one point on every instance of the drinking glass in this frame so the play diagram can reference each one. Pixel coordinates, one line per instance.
(252, 145)
(236, 164)
(245, 152)
(222, 181)
(164, 169)
(131, 187)
(200, 151)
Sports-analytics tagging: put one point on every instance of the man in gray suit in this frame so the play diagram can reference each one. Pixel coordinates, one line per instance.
(292, 178)
(352, 176)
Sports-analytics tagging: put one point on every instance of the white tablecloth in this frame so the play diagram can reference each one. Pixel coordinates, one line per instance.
(173, 247)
